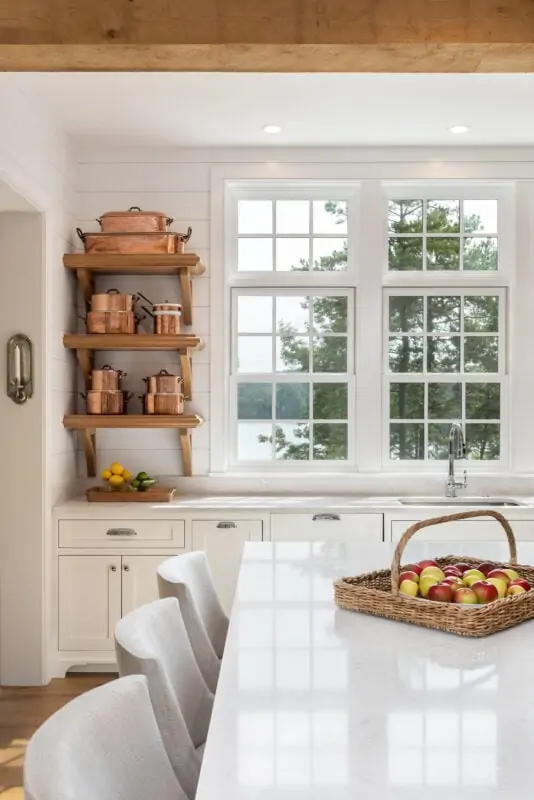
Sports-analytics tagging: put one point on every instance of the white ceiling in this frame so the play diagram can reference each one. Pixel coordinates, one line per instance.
(202, 109)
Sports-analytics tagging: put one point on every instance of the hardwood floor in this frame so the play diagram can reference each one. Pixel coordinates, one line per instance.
(22, 710)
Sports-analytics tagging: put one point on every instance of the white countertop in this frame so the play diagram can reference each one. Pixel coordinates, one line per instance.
(315, 703)
(286, 503)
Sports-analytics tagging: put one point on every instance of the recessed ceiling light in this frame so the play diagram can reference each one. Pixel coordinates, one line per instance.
(272, 129)
(459, 128)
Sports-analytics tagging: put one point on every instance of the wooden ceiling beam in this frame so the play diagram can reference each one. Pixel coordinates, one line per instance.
(268, 35)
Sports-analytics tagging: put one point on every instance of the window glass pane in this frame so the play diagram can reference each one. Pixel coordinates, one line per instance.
(481, 314)
(292, 314)
(292, 401)
(330, 354)
(254, 216)
(406, 314)
(481, 253)
(438, 440)
(443, 315)
(443, 354)
(254, 441)
(254, 401)
(330, 216)
(483, 400)
(480, 216)
(292, 255)
(407, 400)
(255, 255)
(483, 441)
(405, 216)
(405, 254)
(292, 216)
(330, 441)
(330, 400)
(481, 354)
(445, 400)
(443, 253)
(443, 216)
(329, 255)
(330, 314)
(254, 354)
(292, 354)
(254, 314)
(406, 353)
(407, 441)
(293, 442)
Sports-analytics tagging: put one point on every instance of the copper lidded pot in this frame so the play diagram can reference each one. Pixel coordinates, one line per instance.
(164, 382)
(106, 378)
(112, 300)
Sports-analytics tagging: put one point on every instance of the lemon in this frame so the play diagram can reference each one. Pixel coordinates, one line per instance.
(126, 475)
(106, 475)
(116, 468)
(116, 480)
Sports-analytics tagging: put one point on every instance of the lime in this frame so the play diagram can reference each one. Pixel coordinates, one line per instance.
(142, 476)
(135, 483)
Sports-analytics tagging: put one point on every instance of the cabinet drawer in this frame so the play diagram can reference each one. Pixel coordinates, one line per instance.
(326, 527)
(468, 530)
(108, 533)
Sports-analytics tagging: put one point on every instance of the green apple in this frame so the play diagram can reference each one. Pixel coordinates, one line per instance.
(425, 584)
(475, 573)
(434, 572)
(409, 588)
(512, 574)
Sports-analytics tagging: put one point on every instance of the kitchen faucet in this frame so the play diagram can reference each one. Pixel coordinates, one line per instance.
(456, 450)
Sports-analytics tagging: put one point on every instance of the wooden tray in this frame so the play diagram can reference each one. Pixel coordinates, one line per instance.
(158, 494)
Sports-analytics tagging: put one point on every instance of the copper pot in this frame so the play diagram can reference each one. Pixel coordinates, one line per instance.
(167, 316)
(112, 300)
(163, 383)
(106, 379)
(158, 242)
(164, 403)
(134, 221)
(106, 402)
(111, 322)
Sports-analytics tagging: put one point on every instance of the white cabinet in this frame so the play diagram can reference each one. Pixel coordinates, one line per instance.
(89, 601)
(139, 581)
(223, 542)
(108, 533)
(326, 527)
(95, 591)
(467, 530)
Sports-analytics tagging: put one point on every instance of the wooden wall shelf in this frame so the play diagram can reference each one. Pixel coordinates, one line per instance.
(86, 344)
(89, 265)
(87, 424)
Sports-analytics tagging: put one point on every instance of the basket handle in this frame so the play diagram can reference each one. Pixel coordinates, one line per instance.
(426, 523)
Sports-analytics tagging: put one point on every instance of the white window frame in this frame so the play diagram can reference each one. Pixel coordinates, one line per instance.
(348, 378)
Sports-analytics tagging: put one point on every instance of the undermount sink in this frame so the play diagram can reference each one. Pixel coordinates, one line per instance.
(491, 502)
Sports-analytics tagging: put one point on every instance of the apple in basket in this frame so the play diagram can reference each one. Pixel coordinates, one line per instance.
(465, 596)
(513, 590)
(462, 567)
(417, 568)
(486, 592)
(409, 588)
(512, 574)
(426, 583)
(435, 572)
(428, 563)
(521, 582)
(408, 575)
(441, 593)
(486, 567)
(453, 581)
(452, 571)
(501, 575)
(500, 586)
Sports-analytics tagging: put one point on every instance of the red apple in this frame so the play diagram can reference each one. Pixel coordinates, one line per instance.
(408, 576)
(486, 567)
(513, 590)
(466, 596)
(441, 593)
(424, 564)
(462, 567)
(417, 568)
(499, 585)
(452, 571)
(454, 581)
(521, 582)
(485, 592)
(500, 574)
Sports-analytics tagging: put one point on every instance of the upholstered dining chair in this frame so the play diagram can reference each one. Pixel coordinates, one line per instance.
(188, 578)
(103, 745)
(153, 641)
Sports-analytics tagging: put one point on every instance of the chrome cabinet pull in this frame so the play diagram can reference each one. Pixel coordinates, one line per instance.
(113, 569)
(326, 518)
(226, 525)
(121, 532)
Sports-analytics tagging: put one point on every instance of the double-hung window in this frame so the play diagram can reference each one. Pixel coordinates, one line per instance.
(292, 366)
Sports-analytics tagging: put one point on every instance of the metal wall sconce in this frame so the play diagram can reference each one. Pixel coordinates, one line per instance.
(20, 368)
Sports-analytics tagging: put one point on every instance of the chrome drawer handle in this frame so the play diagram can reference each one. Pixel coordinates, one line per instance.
(326, 518)
(226, 525)
(113, 569)
(126, 568)
(121, 532)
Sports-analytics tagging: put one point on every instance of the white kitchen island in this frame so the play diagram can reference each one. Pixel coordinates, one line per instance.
(318, 703)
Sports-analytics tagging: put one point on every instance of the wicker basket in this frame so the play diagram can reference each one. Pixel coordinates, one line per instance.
(378, 593)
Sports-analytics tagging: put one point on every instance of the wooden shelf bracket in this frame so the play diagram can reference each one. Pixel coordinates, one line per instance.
(88, 439)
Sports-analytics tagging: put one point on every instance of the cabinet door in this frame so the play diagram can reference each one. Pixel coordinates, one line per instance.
(139, 581)
(223, 542)
(326, 527)
(89, 601)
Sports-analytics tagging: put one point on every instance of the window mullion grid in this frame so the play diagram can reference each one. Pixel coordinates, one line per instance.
(462, 233)
(311, 373)
(310, 237)
(425, 265)
(273, 379)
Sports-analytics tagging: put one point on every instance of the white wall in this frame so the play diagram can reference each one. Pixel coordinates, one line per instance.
(35, 163)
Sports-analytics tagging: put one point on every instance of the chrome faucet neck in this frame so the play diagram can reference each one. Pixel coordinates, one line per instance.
(456, 450)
